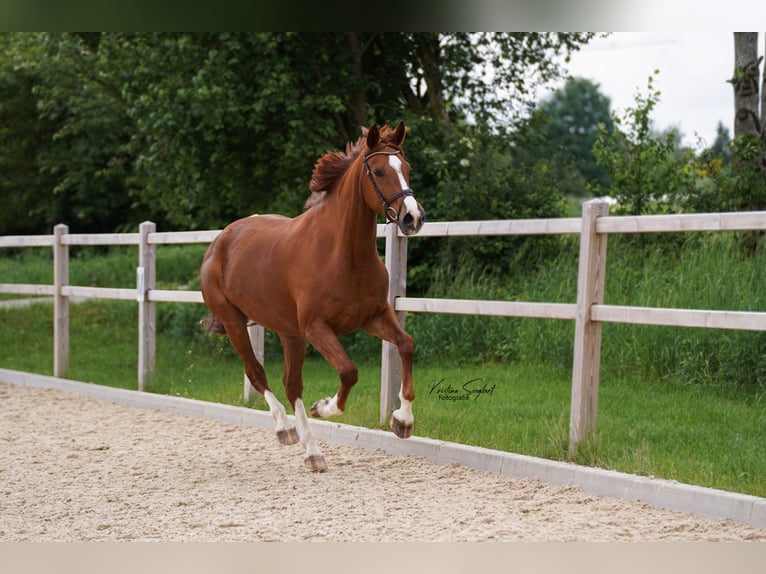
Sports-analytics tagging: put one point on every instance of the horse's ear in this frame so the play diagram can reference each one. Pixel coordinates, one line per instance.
(399, 134)
(373, 136)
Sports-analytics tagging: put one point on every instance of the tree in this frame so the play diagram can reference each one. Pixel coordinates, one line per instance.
(648, 171)
(74, 170)
(570, 122)
(721, 147)
(23, 136)
(193, 130)
(490, 76)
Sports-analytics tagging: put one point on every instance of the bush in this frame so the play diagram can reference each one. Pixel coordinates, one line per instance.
(468, 175)
(695, 272)
(476, 339)
(648, 171)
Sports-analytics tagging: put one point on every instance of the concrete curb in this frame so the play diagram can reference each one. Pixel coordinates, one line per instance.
(670, 495)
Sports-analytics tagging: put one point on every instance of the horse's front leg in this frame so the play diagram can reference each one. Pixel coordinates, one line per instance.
(387, 328)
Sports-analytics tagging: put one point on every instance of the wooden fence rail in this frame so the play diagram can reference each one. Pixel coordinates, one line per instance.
(589, 311)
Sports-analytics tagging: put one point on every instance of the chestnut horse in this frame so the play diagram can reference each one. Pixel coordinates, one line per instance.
(318, 276)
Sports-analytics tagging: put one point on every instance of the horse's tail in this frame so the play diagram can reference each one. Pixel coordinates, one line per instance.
(213, 324)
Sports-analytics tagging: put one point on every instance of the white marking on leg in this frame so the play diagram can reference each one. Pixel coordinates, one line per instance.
(404, 413)
(328, 407)
(304, 429)
(277, 411)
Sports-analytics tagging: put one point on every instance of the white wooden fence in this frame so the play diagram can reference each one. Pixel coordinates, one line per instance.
(589, 311)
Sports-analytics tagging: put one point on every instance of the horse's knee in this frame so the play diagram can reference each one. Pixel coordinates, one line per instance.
(406, 345)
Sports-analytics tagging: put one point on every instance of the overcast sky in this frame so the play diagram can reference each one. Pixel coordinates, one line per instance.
(693, 68)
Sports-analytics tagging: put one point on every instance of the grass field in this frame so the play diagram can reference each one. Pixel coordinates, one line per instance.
(674, 420)
(665, 429)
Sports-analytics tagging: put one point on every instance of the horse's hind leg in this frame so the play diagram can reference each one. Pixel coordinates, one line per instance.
(295, 353)
(240, 339)
(235, 324)
(326, 342)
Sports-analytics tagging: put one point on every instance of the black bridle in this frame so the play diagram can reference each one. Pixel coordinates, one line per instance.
(392, 215)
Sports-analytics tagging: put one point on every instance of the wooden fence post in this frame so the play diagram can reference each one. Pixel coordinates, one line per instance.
(587, 342)
(60, 302)
(391, 366)
(257, 334)
(146, 280)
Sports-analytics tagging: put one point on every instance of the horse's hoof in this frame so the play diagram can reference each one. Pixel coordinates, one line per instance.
(288, 436)
(402, 430)
(325, 408)
(315, 463)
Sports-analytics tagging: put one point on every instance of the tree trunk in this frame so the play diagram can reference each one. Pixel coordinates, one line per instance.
(358, 99)
(428, 53)
(763, 109)
(749, 126)
(747, 118)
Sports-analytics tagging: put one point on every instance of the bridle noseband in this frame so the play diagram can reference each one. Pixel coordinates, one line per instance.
(392, 215)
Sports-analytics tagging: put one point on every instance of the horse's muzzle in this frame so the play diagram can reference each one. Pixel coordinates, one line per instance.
(410, 223)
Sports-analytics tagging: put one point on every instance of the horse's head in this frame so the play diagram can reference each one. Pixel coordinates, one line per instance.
(387, 187)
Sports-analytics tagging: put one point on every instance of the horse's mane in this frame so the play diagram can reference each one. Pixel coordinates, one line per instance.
(331, 166)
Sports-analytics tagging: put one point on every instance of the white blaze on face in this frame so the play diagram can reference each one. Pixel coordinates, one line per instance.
(411, 206)
(396, 165)
(410, 203)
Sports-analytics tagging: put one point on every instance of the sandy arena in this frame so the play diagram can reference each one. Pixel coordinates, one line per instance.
(76, 469)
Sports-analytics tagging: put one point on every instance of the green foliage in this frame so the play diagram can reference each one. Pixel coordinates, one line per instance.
(651, 173)
(23, 136)
(700, 272)
(648, 172)
(476, 340)
(566, 126)
(736, 184)
(193, 130)
(476, 65)
(477, 177)
(86, 127)
(697, 272)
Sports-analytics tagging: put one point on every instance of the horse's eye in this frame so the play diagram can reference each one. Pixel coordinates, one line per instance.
(378, 172)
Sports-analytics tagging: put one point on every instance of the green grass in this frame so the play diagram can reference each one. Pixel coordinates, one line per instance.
(665, 428)
(693, 272)
(674, 403)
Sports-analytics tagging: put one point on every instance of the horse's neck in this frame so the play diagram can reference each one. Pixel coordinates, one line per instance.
(349, 216)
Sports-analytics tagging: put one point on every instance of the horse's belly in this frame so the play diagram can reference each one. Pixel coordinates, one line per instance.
(278, 282)
(352, 315)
